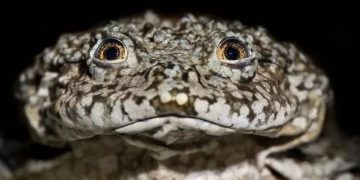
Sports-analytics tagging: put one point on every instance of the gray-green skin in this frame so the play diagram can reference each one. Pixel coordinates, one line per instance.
(173, 109)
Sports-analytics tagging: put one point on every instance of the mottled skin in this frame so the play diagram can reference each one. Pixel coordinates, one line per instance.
(173, 107)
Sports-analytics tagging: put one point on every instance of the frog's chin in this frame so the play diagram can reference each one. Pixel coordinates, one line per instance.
(161, 151)
(172, 135)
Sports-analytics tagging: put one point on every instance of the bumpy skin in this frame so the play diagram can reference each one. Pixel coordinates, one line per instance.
(173, 108)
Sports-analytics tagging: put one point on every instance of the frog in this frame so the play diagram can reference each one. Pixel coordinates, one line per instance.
(190, 97)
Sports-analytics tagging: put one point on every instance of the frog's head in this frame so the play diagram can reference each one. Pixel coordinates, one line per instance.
(172, 81)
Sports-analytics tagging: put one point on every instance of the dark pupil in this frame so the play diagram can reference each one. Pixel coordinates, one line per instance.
(232, 53)
(111, 53)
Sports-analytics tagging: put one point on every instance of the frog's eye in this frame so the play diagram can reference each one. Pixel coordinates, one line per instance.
(231, 49)
(111, 49)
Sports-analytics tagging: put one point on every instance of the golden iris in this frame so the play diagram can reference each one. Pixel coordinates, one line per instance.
(232, 49)
(111, 49)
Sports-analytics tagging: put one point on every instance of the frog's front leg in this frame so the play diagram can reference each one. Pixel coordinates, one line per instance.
(311, 133)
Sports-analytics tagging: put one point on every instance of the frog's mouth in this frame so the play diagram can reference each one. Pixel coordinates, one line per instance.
(172, 135)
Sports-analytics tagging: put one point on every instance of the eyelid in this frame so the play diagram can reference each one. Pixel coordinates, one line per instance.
(238, 63)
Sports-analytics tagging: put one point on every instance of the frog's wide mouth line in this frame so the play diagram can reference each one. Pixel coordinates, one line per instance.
(168, 123)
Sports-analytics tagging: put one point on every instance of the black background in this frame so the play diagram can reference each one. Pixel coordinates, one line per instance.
(325, 31)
